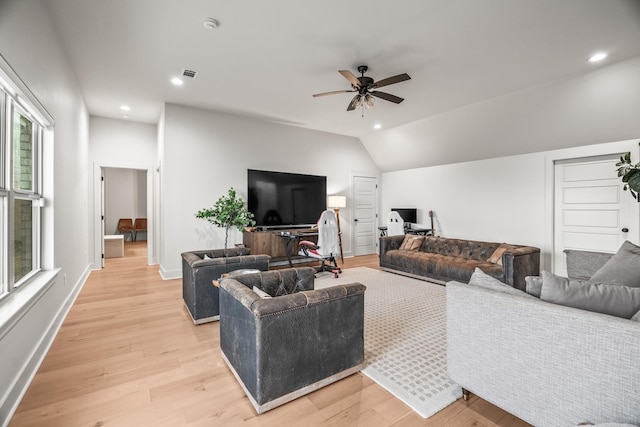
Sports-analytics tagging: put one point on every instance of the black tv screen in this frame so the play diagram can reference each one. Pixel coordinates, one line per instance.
(285, 199)
(407, 214)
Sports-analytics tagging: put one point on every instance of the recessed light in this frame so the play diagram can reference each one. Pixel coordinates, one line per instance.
(177, 81)
(125, 108)
(377, 126)
(597, 57)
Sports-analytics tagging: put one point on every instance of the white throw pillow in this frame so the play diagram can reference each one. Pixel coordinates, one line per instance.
(262, 294)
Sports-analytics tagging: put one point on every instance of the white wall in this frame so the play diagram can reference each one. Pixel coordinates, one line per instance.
(121, 144)
(600, 106)
(507, 199)
(30, 45)
(205, 153)
(125, 196)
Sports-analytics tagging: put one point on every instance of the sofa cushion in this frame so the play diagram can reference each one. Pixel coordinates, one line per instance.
(622, 269)
(533, 285)
(480, 278)
(411, 243)
(636, 317)
(496, 256)
(616, 300)
(461, 269)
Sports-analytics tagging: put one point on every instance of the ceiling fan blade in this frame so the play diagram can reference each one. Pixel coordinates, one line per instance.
(391, 80)
(352, 104)
(335, 92)
(349, 76)
(387, 96)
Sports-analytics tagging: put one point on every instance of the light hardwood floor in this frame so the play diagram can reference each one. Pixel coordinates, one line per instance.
(128, 354)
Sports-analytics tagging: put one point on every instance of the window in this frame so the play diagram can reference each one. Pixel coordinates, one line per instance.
(20, 191)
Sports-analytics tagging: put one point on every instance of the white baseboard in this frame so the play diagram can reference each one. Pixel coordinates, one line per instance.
(169, 274)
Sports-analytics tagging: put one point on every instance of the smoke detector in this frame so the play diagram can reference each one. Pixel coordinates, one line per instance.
(210, 23)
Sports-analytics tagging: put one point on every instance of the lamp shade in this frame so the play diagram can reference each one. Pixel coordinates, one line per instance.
(337, 202)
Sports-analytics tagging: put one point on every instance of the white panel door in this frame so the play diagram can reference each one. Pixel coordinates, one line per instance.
(592, 211)
(364, 209)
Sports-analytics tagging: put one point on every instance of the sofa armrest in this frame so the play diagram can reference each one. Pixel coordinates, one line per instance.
(197, 256)
(285, 303)
(583, 264)
(389, 243)
(520, 262)
(305, 299)
(545, 363)
(280, 282)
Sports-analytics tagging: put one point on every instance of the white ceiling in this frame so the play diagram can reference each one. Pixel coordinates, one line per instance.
(268, 57)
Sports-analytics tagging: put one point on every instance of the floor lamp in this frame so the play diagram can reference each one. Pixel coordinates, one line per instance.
(337, 202)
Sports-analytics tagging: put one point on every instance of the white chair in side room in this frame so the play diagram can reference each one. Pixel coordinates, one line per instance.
(395, 224)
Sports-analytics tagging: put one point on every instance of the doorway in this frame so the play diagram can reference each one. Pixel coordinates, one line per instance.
(124, 193)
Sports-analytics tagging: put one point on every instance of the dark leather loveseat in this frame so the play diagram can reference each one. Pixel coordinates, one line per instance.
(441, 260)
(201, 268)
(296, 341)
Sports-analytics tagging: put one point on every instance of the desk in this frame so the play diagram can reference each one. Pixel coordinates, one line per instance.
(416, 231)
(419, 231)
(288, 240)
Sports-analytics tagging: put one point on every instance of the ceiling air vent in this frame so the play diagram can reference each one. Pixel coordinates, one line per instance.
(189, 74)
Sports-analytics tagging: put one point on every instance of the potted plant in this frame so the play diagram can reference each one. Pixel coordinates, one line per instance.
(630, 174)
(229, 211)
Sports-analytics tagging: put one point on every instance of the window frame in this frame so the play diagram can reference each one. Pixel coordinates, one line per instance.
(10, 104)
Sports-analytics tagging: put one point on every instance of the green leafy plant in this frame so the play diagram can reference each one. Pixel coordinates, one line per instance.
(630, 174)
(229, 211)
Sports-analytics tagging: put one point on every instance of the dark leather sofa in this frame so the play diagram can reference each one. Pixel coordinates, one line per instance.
(441, 260)
(299, 340)
(200, 296)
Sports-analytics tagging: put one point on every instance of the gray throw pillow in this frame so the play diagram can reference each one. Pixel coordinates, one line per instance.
(616, 300)
(533, 285)
(482, 279)
(622, 269)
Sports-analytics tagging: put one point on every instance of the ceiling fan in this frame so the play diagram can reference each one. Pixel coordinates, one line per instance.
(365, 86)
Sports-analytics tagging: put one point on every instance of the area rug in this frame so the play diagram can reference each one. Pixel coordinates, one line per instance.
(404, 337)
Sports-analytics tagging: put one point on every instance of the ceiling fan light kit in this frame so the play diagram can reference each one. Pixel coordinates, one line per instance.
(365, 88)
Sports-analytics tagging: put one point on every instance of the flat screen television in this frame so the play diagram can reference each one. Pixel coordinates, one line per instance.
(281, 199)
(409, 215)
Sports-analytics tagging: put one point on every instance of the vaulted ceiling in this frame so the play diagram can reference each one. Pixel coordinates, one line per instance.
(267, 58)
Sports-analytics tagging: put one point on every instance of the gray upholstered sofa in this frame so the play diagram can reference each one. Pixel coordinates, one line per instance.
(299, 339)
(441, 259)
(548, 364)
(198, 273)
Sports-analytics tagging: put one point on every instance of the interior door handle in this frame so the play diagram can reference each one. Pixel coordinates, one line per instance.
(355, 219)
(625, 230)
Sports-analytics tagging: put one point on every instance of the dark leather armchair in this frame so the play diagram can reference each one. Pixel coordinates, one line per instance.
(198, 274)
(299, 340)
